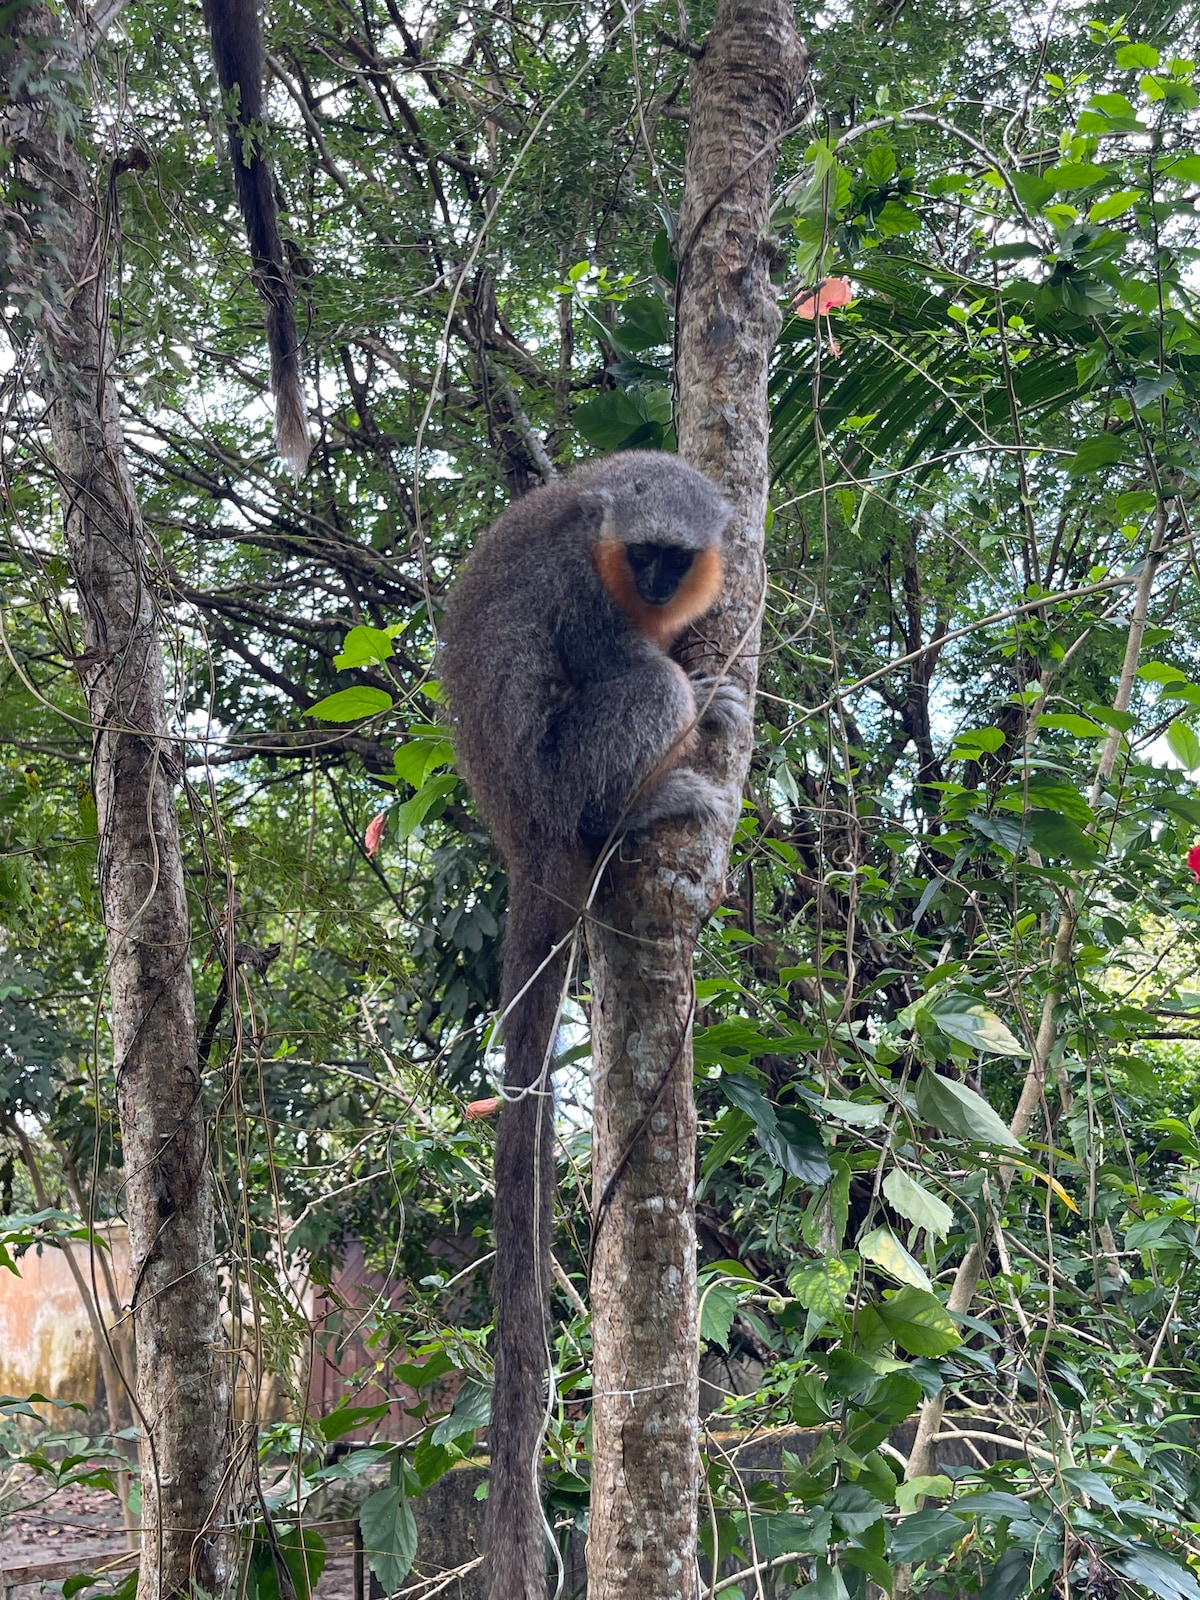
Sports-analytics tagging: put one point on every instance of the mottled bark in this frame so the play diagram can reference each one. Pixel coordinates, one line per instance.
(55, 257)
(645, 1473)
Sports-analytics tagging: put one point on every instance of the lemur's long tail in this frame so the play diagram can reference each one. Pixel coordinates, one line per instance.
(541, 914)
(238, 56)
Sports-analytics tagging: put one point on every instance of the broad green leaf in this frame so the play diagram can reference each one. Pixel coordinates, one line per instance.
(349, 1419)
(1052, 834)
(415, 759)
(1114, 205)
(1069, 175)
(918, 1322)
(1011, 1577)
(1089, 1483)
(1052, 795)
(883, 1248)
(1153, 1569)
(303, 1556)
(975, 1025)
(415, 811)
(952, 1107)
(1068, 722)
(789, 1533)
(989, 739)
(622, 419)
(389, 1533)
(367, 647)
(827, 1583)
(1161, 672)
(472, 1409)
(854, 1509)
(349, 705)
(718, 1307)
(1032, 189)
(925, 1534)
(935, 1484)
(797, 1145)
(991, 1503)
(915, 1203)
(810, 1402)
(432, 1461)
(1133, 56)
(824, 1285)
(1093, 455)
(644, 322)
(1184, 745)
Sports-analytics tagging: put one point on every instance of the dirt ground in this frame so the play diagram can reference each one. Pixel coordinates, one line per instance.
(81, 1525)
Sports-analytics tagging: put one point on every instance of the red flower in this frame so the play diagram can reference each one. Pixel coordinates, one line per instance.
(374, 832)
(481, 1108)
(833, 292)
(1193, 860)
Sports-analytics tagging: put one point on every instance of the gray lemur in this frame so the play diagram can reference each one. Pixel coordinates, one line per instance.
(570, 721)
(238, 56)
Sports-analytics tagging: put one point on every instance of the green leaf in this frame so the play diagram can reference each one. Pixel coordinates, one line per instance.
(854, 1509)
(1052, 795)
(416, 810)
(80, 1580)
(1130, 57)
(975, 1025)
(1068, 722)
(303, 1556)
(644, 323)
(1089, 1483)
(797, 1146)
(1184, 745)
(810, 1402)
(823, 1286)
(1156, 1571)
(1114, 205)
(718, 1307)
(915, 1203)
(1011, 1577)
(1183, 168)
(883, 1248)
(415, 759)
(952, 1107)
(1069, 175)
(389, 1534)
(1093, 455)
(348, 705)
(472, 1409)
(1161, 672)
(1054, 835)
(924, 1534)
(936, 1484)
(432, 1461)
(622, 419)
(918, 1322)
(367, 647)
(879, 164)
(1032, 190)
(349, 1419)
(984, 739)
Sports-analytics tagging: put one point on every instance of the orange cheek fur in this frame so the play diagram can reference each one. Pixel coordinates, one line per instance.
(662, 624)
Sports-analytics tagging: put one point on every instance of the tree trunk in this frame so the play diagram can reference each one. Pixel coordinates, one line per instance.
(55, 252)
(645, 1465)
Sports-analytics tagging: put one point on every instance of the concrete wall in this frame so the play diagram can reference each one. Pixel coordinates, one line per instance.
(46, 1341)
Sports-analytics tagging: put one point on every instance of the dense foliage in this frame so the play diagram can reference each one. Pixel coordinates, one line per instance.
(947, 1013)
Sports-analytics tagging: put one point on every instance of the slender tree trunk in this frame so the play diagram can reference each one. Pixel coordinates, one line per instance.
(645, 1467)
(55, 252)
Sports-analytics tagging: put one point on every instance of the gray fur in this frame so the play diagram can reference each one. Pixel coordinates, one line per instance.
(568, 724)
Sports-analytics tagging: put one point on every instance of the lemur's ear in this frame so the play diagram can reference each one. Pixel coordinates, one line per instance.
(597, 504)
